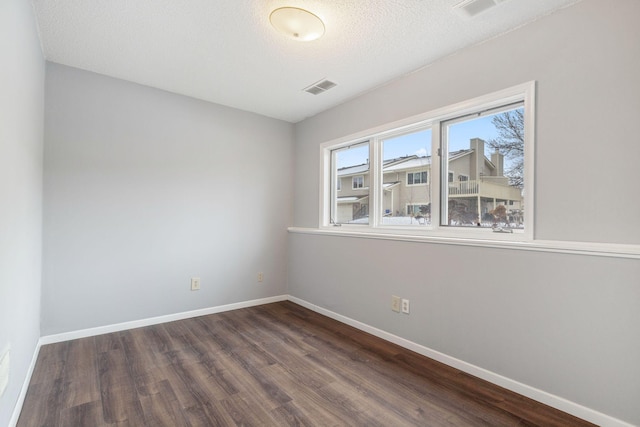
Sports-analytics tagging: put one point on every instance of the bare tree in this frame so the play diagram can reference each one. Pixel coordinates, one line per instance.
(510, 143)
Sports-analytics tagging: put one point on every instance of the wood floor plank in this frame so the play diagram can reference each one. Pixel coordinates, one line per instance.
(47, 387)
(85, 415)
(43, 404)
(107, 342)
(346, 404)
(385, 391)
(222, 333)
(120, 403)
(271, 365)
(240, 407)
(253, 382)
(162, 408)
(307, 411)
(196, 395)
(51, 362)
(300, 367)
(82, 379)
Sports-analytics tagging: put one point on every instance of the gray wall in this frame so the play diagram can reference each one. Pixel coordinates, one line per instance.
(565, 324)
(21, 123)
(586, 60)
(145, 189)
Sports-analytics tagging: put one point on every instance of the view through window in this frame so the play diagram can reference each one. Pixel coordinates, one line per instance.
(484, 163)
(350, 171)
(406, 165)
(461, 167)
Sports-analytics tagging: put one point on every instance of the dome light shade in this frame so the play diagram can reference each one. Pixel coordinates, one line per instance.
(298, 24)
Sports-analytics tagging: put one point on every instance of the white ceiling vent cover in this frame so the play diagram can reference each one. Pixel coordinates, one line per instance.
(471, 8)
(318, 87)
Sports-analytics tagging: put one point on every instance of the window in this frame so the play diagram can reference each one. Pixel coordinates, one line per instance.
(351, 163)
(404, 154)
(358, 182)
(489, 146)
(415, 178)
(462, 170)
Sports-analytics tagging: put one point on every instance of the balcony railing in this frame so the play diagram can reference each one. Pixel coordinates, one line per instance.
(457, 188)
(497, 188)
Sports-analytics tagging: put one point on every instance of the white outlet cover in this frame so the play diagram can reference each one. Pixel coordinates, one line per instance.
(4, 372)
(405, 306)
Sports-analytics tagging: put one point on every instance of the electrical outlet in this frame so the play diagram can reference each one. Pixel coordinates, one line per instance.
(405, 306)
(395, 303)
(195, 283)
(260, 276)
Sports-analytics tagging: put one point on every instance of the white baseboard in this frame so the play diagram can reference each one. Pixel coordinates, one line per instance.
(515, 386)
(25, 386)
(520, 388)
(83, 333)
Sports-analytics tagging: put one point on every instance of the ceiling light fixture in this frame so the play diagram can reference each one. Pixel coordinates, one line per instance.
(298, 24)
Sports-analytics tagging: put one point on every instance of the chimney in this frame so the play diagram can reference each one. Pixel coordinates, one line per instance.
(498, 160)
(477, 158)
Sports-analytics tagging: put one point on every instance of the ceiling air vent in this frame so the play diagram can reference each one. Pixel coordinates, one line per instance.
(318, 87)
(471, 8)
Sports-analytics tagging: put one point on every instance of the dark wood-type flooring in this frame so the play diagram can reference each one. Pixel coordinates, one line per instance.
(272, 365)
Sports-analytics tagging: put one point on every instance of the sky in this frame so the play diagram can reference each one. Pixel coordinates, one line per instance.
(420, 142)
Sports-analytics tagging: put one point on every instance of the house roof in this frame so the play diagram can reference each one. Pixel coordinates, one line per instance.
(403, 163)
(354, 170)
(409, 163)
(390, 185)
(351, 199)
(460, 153)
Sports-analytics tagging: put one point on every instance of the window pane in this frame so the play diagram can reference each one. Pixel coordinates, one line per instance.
(406, 195)
(350, 166)
(486, 153)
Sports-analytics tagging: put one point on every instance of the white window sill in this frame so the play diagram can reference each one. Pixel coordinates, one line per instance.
(581, 248)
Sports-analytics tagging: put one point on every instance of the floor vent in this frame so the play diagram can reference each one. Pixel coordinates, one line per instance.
(471, 8)
(318, 87)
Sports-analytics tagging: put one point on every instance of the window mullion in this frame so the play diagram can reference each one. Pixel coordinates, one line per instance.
(328, 191)
(529, 156)
(436, 176)
(375, 183)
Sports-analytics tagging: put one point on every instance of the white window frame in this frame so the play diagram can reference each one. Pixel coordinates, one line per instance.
(524, 93)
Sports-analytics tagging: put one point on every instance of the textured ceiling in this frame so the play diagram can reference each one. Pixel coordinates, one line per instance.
(225, 51)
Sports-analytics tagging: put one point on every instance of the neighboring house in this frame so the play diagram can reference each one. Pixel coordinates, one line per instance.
(353, 193)
(476, 186)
